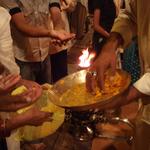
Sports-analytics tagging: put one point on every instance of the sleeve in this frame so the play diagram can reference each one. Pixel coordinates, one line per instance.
(143, 84)
(98, 4)
(11, 5)
(126, 24)
(54, 3)
(7, 58)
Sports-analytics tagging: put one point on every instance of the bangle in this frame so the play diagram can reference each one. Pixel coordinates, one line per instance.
(4, 132)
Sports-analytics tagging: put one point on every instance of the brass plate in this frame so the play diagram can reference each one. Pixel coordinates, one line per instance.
(60, 87)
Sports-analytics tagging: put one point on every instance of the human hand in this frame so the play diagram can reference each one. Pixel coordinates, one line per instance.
(61, 37)
(35, 117)
(30, 94)
(106, 60)
(68, 6)
(8, 82)
(10, 103)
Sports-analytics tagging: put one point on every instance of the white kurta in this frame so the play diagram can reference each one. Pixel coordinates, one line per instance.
(6, 50)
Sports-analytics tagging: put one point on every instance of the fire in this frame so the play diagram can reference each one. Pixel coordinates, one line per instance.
(85, 58)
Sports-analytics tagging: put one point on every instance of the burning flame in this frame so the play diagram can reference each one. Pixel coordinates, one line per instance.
(85, 58)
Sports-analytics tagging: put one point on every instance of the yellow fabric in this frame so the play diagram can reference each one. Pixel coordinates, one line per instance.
(30, 133)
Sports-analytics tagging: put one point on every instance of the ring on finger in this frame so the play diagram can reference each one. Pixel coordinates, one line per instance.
(93, 73)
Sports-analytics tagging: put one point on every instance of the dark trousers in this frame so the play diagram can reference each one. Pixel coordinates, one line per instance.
(3, 144)
(39, 72)
(58, 65)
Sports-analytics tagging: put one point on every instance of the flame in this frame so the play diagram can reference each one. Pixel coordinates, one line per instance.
(85, 58)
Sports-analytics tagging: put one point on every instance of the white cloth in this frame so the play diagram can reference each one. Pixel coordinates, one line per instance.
(6, 48)
(8, 61)
(143, 84)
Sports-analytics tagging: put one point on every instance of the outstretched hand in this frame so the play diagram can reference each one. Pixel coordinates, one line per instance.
(10, 102)
(60, 37)
(7, 82)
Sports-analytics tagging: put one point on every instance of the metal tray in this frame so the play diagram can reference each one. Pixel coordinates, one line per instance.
(61, 86)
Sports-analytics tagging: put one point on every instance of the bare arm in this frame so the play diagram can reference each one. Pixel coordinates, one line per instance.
(128, 96)
(97, 24)
(22, 25)
(32, 117)
(56, 18)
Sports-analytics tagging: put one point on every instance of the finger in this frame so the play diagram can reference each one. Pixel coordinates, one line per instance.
(89, 82)
(9, 81)
(8, 77)
(32, 94)
(13, 80)
(93, 84)
(13, 107)
(23, 105)
(113, 66)
(100, 78)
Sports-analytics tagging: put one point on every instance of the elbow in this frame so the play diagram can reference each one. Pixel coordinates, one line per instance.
(95, 27)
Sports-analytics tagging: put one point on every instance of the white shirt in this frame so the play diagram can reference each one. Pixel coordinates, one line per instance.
(6, 47)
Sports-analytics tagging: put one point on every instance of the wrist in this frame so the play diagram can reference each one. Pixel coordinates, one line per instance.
(16, 122)
(116, 39)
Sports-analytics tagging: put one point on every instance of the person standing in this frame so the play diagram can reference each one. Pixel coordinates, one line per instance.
(134, 20)
(104, 16)
(31, 35)
(9, 77)
(59, 54)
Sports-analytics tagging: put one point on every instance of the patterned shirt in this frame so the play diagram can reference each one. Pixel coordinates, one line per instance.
(36, 13)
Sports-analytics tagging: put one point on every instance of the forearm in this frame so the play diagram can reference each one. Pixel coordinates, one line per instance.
(35, 31)
(125, 25)
(16, 122)
(56, 18)
(128, 96)
(114, 41)
(23, 26)
(101, 30)
(6, 126)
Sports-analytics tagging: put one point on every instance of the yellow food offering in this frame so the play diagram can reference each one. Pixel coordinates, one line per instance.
(19, 90)
(78, 95)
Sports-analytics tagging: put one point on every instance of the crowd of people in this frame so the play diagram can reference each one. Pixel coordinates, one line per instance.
(34, 40)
